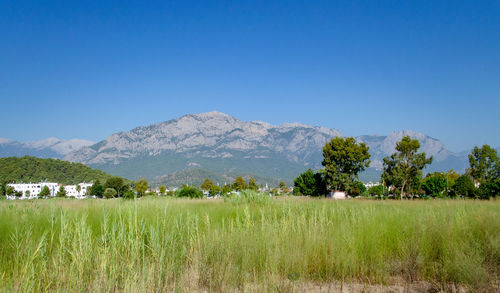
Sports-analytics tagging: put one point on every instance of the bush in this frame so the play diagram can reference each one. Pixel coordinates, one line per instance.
(376, 190)
(109, 193)
(129, 195)
(189, 191)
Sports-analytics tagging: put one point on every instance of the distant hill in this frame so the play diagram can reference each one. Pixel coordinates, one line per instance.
(48, 148)
(30, 169)
(226, 147)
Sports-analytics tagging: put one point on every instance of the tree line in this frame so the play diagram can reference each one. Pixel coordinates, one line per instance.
(402, 176)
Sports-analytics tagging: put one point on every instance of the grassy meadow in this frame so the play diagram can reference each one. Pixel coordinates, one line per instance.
(249, 243)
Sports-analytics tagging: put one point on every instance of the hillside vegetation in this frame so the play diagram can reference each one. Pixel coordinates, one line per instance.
(32, 169)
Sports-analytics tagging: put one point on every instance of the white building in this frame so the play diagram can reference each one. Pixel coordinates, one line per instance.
(34, 189)
(72, 191)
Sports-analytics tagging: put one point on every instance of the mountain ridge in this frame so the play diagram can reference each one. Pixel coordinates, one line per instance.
(222, 144)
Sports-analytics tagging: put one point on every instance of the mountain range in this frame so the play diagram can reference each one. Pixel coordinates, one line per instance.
(221, 147)
(48, 148)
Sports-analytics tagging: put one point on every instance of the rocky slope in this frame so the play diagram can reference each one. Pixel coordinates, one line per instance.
(47, 148)
(221, 144)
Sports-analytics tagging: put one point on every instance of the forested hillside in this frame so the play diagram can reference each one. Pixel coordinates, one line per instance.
(32, 169)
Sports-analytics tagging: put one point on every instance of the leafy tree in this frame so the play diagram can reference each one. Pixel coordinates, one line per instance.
(214, 190)
(464, 186)
(61, 192)
(356, 188)
(305, 184)
(490, 188)
(78, 188)
(484, 163)
(189, 191)
(239, 184)
(27, 193)
(434, 184)
(226, 189)
(44, 192)
(117, 183)
(141, 186)
(343, 159)
(252, 185)
(403, 169)
(162, 189)
(376, 190)
(9, 190)
(129, 194)
(97, 189)
(18, 193)
(109, 193)
(207, 185)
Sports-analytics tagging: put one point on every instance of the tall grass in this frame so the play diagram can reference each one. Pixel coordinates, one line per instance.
(256, 244)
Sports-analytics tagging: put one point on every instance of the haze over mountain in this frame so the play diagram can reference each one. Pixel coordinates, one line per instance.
(218, 144)
(48, 148)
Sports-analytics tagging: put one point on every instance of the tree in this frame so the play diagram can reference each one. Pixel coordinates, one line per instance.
(434, 184)
(464, 186)
(356, 188)
(343, 159)
(78, 188)
(97, 189)
(226, 189)
(162, 189)
(403, 169)
(484, 164)
(252, 185)
(61, 192)
(214, 190)
(117, 183)
(305, 184)
(109, 193)
(376, 190)
(206, 185)
(189, 191)
(27, 193)
(45, 191)
(239, 184)
(141, 186)
(490, 188)
(9, 190)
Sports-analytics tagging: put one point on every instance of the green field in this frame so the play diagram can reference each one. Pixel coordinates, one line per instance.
(254, 244)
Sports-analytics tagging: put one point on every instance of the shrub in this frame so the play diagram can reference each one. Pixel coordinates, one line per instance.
(189, 191)
(109, 193)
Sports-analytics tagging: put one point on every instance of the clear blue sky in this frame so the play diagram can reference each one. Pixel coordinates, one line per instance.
(87, 69)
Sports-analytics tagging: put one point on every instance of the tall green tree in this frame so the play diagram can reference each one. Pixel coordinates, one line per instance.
(206, 185)
(343, 159)
(305, 184)
(464, 186)
(141, 186)
(97, 189)
(252, 185)
(162, 189)
(239, 184)
(403, 169)
(434, 184)
(484, 164)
